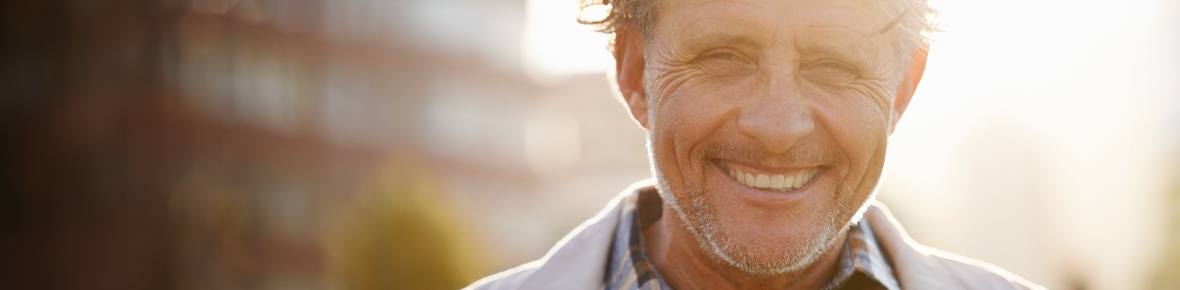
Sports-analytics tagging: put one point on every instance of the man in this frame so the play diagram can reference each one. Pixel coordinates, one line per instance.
(767, 122)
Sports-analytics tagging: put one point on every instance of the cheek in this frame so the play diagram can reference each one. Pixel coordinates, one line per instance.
(859, 126)
(688, 117)
(859, 130)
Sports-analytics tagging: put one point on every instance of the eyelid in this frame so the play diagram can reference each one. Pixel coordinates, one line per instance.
(827, 61)
(712, 53)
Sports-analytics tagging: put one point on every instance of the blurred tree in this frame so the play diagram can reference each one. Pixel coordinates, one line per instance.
(400, 234)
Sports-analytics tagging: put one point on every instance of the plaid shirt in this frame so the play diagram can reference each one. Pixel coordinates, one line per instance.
(862, 265)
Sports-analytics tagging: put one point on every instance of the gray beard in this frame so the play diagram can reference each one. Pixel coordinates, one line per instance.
(700, 219)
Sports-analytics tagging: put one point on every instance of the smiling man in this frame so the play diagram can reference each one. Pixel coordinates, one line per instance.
(767, 123)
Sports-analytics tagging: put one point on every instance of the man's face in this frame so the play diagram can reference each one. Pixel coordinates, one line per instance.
(768, 121)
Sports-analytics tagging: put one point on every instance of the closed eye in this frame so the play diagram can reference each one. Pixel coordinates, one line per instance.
(725, 62)
(830, 72)
(723, 55)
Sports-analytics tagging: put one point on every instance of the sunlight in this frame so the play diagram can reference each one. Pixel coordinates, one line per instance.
(555, 44)
(1077, 94)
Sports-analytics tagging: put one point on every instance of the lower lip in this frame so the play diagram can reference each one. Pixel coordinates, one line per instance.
(762, 196)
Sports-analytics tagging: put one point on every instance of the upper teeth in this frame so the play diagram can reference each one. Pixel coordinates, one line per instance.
(777, 182)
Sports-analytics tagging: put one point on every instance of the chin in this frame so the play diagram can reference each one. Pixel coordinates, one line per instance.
(764, 250)
(743, 228)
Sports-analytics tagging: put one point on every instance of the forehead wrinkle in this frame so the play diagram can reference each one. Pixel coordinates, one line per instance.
(728, 11)
(701, 33)
(754, 17)
(710, 23)
(870, 9)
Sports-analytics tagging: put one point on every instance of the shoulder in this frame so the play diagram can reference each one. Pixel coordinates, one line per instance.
(975, 274)
(918, 266)
(507, 279)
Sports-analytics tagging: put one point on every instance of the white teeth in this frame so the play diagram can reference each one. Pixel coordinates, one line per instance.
(776, 182)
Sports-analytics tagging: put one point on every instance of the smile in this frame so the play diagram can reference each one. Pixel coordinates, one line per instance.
(774, 181)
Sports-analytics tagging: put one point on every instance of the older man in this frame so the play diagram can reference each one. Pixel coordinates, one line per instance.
(767, 122)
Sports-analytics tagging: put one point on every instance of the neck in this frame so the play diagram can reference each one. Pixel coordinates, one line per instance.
(686, 266)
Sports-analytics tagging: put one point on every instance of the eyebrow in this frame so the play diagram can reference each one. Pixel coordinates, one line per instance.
(841, 43)
(694, 41)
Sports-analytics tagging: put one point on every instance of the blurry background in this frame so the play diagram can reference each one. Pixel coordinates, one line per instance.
(421, 144)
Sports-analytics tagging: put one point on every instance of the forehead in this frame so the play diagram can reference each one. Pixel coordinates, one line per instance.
(755, 19)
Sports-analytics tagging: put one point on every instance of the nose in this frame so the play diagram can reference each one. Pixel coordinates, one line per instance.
(777, 122)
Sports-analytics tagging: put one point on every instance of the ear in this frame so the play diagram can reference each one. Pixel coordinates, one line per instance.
(909, 84)
(629, 65)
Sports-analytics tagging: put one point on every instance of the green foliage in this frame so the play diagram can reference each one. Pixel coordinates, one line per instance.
(400, 235)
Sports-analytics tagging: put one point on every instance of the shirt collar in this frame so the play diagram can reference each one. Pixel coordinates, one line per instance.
(628, 267)
(862, 256)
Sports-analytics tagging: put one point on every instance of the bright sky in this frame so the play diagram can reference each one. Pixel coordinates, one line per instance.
(1060, 97)
(556, 44)
(1078, 84)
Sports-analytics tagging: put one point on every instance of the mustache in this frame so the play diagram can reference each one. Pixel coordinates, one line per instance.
(802, 154)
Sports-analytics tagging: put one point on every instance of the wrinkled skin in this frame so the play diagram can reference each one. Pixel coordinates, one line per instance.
(764, 86)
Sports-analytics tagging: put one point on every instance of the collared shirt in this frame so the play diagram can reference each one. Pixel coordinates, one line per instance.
(862, 265)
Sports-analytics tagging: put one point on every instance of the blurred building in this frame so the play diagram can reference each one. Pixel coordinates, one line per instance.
(219, 144)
